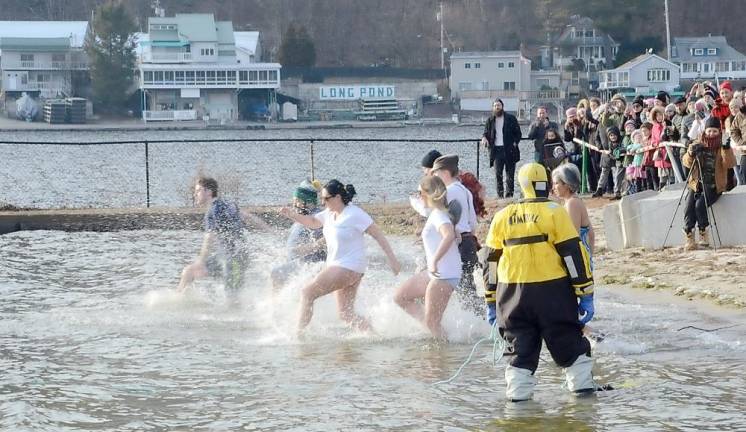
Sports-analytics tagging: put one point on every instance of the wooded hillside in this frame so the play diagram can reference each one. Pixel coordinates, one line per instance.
(405, 33)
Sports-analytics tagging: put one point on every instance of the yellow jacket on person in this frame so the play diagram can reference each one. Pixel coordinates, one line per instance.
(536, 241)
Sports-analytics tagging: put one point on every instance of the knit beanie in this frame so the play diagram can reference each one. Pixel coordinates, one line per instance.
(727, 86)
(429, 158)
(712, 122)
(306, 192)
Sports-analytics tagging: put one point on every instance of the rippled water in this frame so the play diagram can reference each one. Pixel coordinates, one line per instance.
(257, 172)
(91, 338)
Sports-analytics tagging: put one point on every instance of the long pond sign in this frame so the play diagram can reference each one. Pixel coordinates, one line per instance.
(352, 92)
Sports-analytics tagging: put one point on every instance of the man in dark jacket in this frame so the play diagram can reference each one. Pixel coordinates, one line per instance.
(538, 132)
(501, 137)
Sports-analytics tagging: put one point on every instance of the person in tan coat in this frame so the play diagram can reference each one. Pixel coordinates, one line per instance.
(709, 161)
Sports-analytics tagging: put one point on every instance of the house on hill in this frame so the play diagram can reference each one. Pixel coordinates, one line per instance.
(645, 74)
(708, 57)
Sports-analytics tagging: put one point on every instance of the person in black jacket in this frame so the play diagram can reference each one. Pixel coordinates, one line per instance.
(501, 137)
(538, 132)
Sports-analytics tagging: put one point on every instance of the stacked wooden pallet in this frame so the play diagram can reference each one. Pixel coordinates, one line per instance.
(75, 110)
(55, 111)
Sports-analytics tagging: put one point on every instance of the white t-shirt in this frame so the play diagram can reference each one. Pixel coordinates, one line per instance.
(468, 220)
(345, 237)
(499, 130)
(449, 267)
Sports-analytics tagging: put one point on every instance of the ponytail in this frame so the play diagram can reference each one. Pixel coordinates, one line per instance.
(346, 192)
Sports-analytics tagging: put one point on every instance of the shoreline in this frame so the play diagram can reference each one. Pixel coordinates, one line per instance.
(133, 125)
(714, 277)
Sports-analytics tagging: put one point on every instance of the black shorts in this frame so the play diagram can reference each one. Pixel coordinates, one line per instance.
(232, 271)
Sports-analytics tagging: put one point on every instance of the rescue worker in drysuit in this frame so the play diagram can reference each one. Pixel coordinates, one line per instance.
(538, 274)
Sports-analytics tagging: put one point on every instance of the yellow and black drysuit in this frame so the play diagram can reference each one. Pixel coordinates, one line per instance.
(535, 272)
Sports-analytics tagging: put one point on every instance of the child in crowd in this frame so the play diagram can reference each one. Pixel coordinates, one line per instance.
(651, 173)
(626, 159)
(635, 170)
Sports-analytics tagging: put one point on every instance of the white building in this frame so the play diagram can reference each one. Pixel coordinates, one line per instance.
(477, 78)
(644, 74)
(42, 58)
(192, 66)
(708, 57)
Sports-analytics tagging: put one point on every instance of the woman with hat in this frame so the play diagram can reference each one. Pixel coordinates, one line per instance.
(344, 226)
(304, 245)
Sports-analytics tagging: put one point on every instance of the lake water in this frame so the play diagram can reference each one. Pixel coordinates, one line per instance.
(91, 338)
(255, 172)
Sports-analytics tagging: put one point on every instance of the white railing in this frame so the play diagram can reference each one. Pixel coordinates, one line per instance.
(523, 95)
(175, 115)
(180, 57)
(35, 65)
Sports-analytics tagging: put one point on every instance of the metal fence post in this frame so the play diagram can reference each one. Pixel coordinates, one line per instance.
(478, 144)
(147, 174)
(584, 173)
(313, 168)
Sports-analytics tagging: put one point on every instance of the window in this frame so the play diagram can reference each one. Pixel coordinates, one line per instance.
(221, 76)
(158, 77)
(148, 77)
(712, 51)
(674, 51)
(739, 65)
(578, 33)
(624, 79)
(509, 85)
(58, 57)
(659, 75)
(722, 67)
(179, 76)
(253, 76)
(500, 65)
(485, 85)
(168, 76)
(273, 76)
(698, 52)
(263, 75)
(243, 76)
(27, 57)
(464, 86)
(42, 78)
(477, 65)
(210, 76)
(467, 65)
(189, 77)
(187, 48)
(706, 67)
(511, 65)
(589, 33)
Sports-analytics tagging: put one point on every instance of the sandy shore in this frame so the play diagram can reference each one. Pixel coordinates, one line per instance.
(716, 276)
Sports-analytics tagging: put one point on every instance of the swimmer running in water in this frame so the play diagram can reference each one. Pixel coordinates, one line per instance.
(344, 225)
(223, 253)
(443, 274)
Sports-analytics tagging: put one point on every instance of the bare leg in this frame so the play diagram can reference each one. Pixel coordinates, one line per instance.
(195, 270)
(330, 279)
(436, 302)
(406, 295)
(346, 305)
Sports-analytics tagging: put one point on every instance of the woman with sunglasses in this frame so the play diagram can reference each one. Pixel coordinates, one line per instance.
(344, 226)
(443, 274)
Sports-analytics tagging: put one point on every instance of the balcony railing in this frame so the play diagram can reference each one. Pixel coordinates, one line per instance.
(36, 65)
(174, 115)
(522, 95)
(180, 57)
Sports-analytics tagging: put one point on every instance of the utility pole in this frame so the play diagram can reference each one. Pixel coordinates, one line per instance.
(442, 33)
(668, 30)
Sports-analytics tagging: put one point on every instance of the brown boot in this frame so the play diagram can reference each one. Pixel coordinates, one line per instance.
(690, 243)
(704, 239)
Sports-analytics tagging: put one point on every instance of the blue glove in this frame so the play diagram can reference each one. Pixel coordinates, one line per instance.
(491, 313)
(585, 308)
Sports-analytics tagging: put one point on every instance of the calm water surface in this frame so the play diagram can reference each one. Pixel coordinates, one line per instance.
(253, 172)
(91, 338)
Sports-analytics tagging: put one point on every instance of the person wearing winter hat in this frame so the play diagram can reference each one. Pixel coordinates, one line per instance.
(304, 245)
(428, 160)
(609, 155)
(709, 162)
(721, 110)
(661, 99)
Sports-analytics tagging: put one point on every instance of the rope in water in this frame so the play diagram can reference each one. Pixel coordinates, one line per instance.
(498, 346)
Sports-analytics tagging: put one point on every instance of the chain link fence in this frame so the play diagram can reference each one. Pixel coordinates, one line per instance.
(253, 171)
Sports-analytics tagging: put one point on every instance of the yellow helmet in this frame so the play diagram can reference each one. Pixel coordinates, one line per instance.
(533, 180)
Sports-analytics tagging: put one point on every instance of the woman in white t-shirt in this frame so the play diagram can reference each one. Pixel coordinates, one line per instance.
(344, 226)
(435, 285)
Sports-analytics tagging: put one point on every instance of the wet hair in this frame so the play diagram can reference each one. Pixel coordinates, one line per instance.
(335, 187)
(568, 174)
(471, 182)
(436, 191)
(210, 184)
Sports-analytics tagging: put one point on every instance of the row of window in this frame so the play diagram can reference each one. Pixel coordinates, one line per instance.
(703, 51)
(163, 27)
(659, 75)
(500, 65)
(484, 85)
(736, 66)
(55, 57)
(210, 77)
(206, 52)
